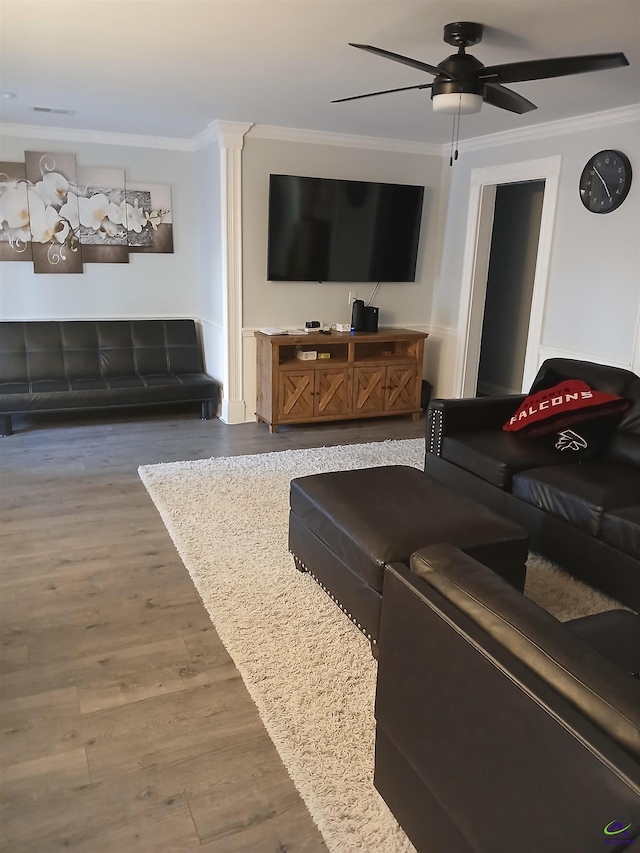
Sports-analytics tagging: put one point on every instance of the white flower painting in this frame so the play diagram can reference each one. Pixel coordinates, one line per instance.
(60, 217)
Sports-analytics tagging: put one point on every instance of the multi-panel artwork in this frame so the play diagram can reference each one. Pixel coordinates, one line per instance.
(60, 216)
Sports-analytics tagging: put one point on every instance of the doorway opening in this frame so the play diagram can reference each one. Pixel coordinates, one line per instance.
(484, 185)
(509, 290)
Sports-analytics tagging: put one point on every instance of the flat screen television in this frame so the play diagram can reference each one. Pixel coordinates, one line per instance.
(323, 229)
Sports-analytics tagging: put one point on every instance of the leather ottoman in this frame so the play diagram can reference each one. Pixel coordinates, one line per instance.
(345, 526)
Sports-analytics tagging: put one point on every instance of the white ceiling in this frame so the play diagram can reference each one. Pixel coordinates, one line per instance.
(170, 68)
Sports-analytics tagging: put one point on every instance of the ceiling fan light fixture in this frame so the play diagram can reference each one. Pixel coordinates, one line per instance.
(454, 103)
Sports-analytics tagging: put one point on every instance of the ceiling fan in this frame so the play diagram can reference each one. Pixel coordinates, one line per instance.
(462, 82)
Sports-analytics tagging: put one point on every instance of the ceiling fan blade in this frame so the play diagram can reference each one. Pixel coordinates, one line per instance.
(540, 69)
(383, 92)
(405, 60)
(498, 96)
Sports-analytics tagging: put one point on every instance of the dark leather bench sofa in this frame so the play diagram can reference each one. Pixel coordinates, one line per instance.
(497, 726)
(583, 515)
(76, 365)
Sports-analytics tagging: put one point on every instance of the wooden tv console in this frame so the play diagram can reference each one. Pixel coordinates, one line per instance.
(366, 375)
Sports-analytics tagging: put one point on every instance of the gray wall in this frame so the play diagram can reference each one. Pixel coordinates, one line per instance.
(289, 304)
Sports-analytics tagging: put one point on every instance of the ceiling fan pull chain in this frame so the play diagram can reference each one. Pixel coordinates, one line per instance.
(455, 133)
(455, 156)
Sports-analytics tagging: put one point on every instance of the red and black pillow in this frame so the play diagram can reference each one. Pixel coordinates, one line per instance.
(570, 416)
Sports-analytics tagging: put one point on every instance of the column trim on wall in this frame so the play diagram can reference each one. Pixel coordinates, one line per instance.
(230, 138)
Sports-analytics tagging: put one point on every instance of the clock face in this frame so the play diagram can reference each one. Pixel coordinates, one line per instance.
(605, 181)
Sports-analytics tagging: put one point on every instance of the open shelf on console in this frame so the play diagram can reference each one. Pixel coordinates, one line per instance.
(385, 350)
(338, 354)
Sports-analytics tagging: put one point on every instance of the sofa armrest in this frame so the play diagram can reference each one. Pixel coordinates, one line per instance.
(467, 414)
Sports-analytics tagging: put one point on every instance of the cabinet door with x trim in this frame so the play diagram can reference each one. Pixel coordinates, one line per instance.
(401, 389)
(306, 394)
(385, 389)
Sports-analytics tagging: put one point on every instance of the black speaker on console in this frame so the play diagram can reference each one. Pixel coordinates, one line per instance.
(371, 318)
(358, 315)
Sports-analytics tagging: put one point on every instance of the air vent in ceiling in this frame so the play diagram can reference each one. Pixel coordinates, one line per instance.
(57, 112)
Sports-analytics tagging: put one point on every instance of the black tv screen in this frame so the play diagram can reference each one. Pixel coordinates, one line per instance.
(322, 229)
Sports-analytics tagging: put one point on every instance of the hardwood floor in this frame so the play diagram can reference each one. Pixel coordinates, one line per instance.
(124, 724)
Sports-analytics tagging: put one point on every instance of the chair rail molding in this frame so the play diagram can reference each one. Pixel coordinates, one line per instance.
(230, 138)
(557, 352)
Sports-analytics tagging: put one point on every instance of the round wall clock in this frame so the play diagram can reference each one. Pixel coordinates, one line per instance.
(605, 181)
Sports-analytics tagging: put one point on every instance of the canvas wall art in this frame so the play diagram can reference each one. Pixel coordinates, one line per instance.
(60, 216)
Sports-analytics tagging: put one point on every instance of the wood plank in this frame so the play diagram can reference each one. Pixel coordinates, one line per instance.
(235, 820)
(15, 658)
(40, 776)
(79, 632)
(101, 819)
(38, 724)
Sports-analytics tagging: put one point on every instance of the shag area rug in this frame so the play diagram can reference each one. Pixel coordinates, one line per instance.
(307, 668)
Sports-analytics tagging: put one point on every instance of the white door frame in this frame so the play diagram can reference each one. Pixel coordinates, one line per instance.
(475, 265)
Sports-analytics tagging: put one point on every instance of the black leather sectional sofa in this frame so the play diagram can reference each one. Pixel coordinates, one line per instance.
(583, 515)
(50, 366)
(499, 728)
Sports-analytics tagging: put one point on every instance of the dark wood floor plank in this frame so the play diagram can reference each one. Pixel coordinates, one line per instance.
(40, 776)
(16, 571)
(101, 819)
(124, 723)
(246, 819)
(15, 658)
(79, 632)
(39, 724)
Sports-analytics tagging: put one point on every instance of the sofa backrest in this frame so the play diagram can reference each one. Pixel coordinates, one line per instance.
(35, 350)
(624, 445)
(605, 695)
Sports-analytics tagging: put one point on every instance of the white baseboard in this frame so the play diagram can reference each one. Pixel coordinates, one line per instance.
(233, 412)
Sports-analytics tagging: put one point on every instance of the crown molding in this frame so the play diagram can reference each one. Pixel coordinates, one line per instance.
(575, 124)
(208, 136)
(64, 134)
(231, 135)
(225, 134)
(344, 140)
